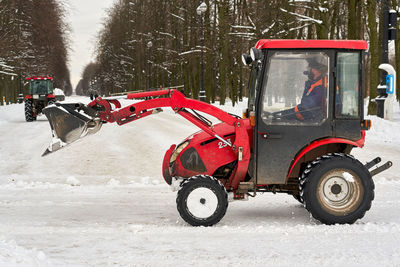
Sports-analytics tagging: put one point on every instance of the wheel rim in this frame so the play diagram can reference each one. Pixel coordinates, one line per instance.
(340, 192)
(202, 203)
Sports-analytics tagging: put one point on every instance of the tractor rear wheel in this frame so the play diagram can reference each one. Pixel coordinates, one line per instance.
(337, 188)
(29, 111)
(202, 200)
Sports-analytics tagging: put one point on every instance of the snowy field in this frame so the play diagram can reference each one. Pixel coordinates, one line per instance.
(103, 202)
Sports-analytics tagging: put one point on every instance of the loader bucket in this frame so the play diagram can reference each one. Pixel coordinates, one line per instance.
(69, 125)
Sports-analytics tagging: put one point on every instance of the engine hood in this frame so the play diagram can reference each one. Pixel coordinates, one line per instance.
(222, 129)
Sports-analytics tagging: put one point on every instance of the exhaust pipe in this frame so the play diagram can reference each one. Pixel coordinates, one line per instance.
(68, 124)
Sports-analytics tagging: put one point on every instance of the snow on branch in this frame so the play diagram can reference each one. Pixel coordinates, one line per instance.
(244, 34)
(189, 52)
(302, 26)
(8, 73)
(242, 27)
(304, 18)
(176, 16)
(7, 70)
(252, 23)
(167, 34)
(159, 66)
(268, 29)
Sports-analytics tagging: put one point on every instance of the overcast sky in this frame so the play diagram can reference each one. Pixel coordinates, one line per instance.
(85, 19)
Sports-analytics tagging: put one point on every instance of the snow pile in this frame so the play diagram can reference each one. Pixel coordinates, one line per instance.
(10, 113)
(383, 131)
(58, 91)
(13, 255)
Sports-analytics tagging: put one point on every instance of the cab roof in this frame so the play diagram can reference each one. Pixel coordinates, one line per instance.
(290, 43)
(39, 78)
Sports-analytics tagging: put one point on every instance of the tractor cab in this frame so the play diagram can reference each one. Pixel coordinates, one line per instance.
(303, 93)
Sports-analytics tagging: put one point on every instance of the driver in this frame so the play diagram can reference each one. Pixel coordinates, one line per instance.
(313, 100)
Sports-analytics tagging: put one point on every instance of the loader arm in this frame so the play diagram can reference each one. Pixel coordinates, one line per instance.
(109, 109)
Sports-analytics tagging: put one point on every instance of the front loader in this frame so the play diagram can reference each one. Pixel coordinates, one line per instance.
(304, 116)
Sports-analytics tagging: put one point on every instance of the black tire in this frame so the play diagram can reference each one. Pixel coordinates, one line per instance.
(337, 188)
(298, 198)
(29, 111)
(202, 200)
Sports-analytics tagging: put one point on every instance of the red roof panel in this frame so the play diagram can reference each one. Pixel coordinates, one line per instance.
(39, 78)
(289, 43)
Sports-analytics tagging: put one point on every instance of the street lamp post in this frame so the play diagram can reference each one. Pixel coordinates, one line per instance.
(149, 46)
(201, 9)
(388, 26)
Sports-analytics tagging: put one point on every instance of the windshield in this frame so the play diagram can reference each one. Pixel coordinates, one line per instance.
(253, 84)
(41, 87)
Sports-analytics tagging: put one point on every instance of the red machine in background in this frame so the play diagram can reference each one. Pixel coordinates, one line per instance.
(40, 96)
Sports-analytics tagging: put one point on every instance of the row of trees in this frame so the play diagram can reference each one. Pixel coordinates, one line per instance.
(153, 43)
(33, 41)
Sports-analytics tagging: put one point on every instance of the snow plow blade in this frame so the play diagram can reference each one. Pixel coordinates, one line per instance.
(68, 124)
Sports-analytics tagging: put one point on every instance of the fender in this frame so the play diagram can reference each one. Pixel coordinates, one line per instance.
(359, 143)
(165, 166)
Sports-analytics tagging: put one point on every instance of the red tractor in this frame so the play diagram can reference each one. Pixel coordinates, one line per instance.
(40, 96)
(304, 116)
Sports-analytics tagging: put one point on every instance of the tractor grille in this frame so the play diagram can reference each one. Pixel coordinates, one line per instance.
(191, 160)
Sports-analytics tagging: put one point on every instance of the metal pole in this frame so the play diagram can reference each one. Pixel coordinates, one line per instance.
(385, 38)
(150, 82)
(380, 100)
(149, 46)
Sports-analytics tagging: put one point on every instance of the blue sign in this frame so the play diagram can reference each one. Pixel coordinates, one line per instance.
(390, 84)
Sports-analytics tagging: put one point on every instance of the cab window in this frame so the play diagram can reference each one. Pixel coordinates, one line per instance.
(347, 87)
(296, 87)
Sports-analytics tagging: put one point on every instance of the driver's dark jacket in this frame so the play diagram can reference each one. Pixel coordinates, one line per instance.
(312, 103)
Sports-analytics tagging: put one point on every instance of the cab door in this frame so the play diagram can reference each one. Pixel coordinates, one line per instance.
(280, 132)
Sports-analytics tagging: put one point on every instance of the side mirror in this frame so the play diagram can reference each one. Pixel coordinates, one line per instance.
(246, 59)
(255, 54)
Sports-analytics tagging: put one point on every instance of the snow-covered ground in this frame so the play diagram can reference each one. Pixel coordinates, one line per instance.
(102, 201)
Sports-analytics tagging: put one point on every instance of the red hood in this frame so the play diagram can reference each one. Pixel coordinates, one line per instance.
(222, 129)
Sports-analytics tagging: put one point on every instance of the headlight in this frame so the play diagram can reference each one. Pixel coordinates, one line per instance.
(178, 150)
(246, 59)
(255, 53)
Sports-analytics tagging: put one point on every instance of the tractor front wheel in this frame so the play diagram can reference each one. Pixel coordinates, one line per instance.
(29, 111)
(337, 188)
(52, 101)
(202, 200)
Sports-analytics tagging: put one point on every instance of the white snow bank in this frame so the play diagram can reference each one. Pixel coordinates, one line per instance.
(383, 131)
(13, 255)
(58, 91)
